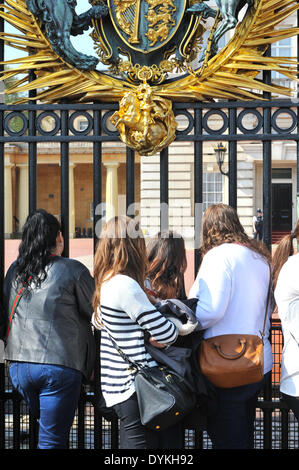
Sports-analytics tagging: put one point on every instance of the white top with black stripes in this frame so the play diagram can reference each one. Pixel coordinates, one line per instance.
(127, 313)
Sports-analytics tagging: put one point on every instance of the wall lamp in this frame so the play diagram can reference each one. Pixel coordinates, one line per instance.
(220, 151)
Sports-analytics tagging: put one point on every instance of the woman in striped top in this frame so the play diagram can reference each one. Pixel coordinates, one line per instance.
(126, 315)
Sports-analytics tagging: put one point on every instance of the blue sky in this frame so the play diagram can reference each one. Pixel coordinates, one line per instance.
(82, 43)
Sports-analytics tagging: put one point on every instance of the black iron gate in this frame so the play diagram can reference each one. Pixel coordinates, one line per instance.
(17, 428)
(275, 425)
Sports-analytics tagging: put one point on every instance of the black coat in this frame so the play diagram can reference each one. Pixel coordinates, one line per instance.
(52, 324)
(182, 357)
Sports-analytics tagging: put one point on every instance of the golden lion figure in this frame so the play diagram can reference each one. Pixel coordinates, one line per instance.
(145, 121)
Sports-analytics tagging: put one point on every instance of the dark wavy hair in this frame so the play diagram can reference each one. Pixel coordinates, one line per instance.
(38, 240)
(167, 264)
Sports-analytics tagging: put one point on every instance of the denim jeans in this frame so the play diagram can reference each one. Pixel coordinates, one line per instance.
(231, 425)
(52, 393)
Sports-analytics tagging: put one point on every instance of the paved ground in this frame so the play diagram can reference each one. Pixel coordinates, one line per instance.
(82, 249)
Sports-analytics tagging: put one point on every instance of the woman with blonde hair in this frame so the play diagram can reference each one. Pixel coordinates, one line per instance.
(232, 286)
(286, 293)
(124, 312)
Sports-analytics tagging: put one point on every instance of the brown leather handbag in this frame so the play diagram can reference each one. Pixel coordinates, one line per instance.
(233, 360)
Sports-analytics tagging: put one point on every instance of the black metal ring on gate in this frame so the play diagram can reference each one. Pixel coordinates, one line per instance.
(281, 130)
(106, 130)
(44, 115)
(213, 112)
(89, 119)
(12, 115)
(190, 125)
(245, 112)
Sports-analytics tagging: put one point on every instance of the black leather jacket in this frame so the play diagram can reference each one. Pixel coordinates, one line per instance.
(52, 324)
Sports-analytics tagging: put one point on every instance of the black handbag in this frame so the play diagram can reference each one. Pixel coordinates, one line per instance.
(164, 398)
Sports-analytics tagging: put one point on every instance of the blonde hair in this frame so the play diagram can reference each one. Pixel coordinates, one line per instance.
(120, 250)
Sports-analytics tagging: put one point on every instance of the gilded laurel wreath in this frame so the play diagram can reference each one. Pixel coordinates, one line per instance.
(230, 74)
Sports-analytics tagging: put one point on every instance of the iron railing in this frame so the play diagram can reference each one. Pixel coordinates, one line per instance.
(275, 424)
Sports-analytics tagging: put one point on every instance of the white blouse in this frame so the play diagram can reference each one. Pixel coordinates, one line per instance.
(287, 299)
(232, 286)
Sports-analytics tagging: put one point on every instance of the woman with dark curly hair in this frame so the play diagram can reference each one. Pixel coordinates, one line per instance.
(46, 326)
(232, 286)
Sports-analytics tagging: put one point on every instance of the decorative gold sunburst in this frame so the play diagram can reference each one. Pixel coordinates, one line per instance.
(231, 74)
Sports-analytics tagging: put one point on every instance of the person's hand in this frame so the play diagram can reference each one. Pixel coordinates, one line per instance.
(155, 343)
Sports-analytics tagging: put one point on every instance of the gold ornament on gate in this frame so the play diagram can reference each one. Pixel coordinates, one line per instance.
(145, 121)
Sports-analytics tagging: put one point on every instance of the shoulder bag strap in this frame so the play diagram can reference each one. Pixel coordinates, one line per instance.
(267, 306)
(12, 312)
(14, 307)
(133, 364)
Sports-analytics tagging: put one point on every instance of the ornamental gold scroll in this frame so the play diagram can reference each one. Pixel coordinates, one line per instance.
(145, 121)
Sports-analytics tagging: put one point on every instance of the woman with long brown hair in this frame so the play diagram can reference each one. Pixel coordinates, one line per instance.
(286, 293)
(167, 264)
(124, 312)
(232, 286)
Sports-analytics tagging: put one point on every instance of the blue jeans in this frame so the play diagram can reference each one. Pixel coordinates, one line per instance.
(231, 425)
(52, 393)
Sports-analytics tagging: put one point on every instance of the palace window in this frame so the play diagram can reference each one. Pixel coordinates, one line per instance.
(281, 48)
(212, 188)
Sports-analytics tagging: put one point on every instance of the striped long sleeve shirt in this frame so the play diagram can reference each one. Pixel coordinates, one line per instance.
(126, 314)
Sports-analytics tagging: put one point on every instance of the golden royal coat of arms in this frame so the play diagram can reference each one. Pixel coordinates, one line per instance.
(154, 52)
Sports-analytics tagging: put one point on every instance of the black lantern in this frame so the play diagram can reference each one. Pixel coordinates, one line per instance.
(220, 151)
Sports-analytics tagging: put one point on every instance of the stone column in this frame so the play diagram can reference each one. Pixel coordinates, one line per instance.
(23, 196)
(111, 189)
(8, 225)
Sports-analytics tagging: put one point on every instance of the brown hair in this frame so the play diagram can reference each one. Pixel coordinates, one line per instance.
(283, 251)
(221, 224)
(120, 250)
(167, 264)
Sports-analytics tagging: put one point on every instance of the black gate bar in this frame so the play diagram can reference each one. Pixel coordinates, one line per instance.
(198, 188)
(130, 181)
(64, 183)
(164, 209)
(32, 159)
(97, 176)
(232, 156)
